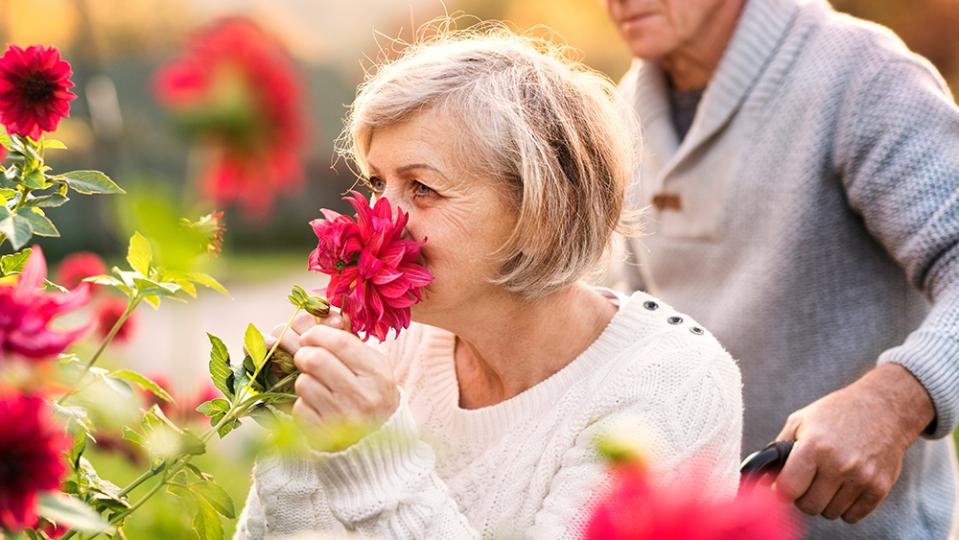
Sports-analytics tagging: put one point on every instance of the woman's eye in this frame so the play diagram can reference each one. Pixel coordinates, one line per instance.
(376, 184)
(421, 190)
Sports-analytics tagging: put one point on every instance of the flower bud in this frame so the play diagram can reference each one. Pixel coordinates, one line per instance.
(316, 306)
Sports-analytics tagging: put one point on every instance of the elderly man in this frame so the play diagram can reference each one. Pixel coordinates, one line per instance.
(802, 173)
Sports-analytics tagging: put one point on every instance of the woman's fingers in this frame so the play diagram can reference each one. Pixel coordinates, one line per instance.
(324, 365)
(359, 357)
(290, 341)
(302, 322)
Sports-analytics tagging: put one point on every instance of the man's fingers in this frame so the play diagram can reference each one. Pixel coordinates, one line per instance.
(798, 473)
(842, 501)
(864, 505)
(819, 494)
(788, 432)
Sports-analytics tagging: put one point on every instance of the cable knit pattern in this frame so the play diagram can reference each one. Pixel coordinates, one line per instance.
(819, 219)
(525, 467)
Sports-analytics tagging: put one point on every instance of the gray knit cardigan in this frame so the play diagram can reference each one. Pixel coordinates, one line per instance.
(812, 224)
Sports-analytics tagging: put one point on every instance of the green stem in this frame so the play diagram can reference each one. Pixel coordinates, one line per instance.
(170, 468)
(119, 517)
(150, 473)
(134, 302)
(272, 350)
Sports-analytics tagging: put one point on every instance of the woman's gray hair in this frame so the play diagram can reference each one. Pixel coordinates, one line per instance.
(555, 132)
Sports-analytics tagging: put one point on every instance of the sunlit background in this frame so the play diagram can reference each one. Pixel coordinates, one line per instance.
(118, 126)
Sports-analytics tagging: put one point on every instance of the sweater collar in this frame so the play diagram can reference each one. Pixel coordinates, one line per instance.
(761, 27)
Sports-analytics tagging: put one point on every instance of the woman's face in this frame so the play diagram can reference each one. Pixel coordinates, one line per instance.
(417, 166)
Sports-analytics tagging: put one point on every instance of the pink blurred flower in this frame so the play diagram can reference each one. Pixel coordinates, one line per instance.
(82, 264)
(373, 272)
(31, 458)
(26, 311)
(635, 510)
(108, 312)
(235, 89)
(34, 90)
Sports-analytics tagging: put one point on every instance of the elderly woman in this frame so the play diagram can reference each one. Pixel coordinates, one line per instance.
(512, 161)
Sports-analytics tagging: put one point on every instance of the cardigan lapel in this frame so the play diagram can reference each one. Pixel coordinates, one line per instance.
(761, 27)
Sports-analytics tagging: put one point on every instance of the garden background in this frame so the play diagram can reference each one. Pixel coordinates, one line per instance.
(118, 125)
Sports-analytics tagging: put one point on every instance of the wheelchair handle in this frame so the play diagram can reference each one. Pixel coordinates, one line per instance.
(769, 460)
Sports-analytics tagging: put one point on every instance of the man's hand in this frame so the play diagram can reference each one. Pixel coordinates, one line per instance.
(850, 444)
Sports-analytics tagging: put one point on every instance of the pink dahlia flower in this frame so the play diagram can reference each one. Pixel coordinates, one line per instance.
(34, 90)
(26, 311)
(635, 510)
(74, 268)
(31, 458)
(374, 277)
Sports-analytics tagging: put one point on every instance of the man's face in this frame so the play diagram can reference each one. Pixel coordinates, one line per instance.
(656, 28)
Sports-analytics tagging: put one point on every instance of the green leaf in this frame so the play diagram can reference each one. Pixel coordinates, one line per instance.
(16, 228)
(206, 523)
(207, 281)
(35, 180)
(255, 345)
(52, 200)
(66, 510)
(216, 496)
(147, 286)
(14, 262)
(42, 226)
(140, 254)
(262, 415)
(5, 140)
(214, 406)
(133, 436)
(116, 385)
(143, 382)
(75, 415)
(154, 301)
(53, 144)
(228, 427)
(220, 372)
(91, 182)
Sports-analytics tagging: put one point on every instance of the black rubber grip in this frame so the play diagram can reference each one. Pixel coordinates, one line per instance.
(769, 460)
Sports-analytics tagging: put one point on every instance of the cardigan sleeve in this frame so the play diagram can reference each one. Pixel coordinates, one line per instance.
(900, 169)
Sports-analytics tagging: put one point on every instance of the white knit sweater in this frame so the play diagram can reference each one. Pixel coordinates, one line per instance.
(525, 467)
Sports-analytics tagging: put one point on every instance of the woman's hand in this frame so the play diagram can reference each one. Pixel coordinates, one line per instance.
(301, 324)
(345, 389)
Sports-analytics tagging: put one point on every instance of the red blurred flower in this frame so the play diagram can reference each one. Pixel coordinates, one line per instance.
(236, 89)
(108, 313)
(3, 152)
(31, 458)
(373, 272)
(635, 510)
(34, 93)
(74, 268)
(26, 311)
